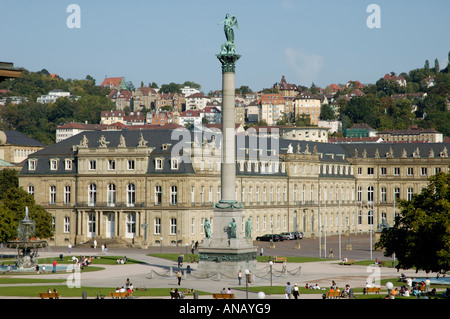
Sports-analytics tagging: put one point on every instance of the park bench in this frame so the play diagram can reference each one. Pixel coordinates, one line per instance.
(281, 259)
(372, 289)
(119, 294)
(223, 296)
(49, 295)
(333, 294)
(348, 262)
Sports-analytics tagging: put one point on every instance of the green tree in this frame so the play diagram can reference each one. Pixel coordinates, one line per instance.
(12, 210)
(420, 237)
(327, 113)
(8, 180)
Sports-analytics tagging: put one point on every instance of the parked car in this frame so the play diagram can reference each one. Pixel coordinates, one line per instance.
(268, 237)
(288, 236)
(298, 235)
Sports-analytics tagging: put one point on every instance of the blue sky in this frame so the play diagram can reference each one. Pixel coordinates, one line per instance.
(163, 41)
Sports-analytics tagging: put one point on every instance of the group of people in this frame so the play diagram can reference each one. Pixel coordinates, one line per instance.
(291, 291)
(226, 291)
(178, 294)
(249, 277)
(127, 288)
(122, 261)
(83, 261)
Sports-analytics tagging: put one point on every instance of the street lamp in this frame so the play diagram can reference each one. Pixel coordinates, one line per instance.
(145, 225)
(246, 272)
(389, 287)
(270, 264)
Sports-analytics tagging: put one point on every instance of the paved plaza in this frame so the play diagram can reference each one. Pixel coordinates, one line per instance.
(157, 272)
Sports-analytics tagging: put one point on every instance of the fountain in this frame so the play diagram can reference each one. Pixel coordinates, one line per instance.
(26, 245)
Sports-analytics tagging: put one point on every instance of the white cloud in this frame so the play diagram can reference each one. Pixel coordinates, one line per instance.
(306, 66)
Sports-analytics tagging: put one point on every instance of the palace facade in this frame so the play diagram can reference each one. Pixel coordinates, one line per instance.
(154, 187)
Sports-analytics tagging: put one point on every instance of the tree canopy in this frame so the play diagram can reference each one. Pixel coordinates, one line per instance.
(420, 237)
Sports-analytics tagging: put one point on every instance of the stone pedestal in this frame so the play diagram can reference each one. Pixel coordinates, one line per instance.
(222, 253)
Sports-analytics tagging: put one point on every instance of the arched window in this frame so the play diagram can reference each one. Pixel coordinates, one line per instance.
(131, 225)
(131, 195)
(111, 195)
(92, 195)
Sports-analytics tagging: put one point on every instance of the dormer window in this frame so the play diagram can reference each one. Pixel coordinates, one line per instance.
(158, 163)
(68, 164)
(53, 164)
(32, 163)
(174, 163)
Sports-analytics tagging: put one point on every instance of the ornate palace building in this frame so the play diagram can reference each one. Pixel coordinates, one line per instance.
(155, 187)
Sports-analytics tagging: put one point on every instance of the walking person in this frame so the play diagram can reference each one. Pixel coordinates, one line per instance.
(179, 276)
(295, 291)
(70, 248)
(288, 290)
(239, 276)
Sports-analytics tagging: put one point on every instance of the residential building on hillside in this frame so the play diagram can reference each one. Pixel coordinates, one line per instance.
(114, 83)
(412, 134)
(134, 118)
(107, 184)
(309, 104)
(175, 101)
(286, 89)
(109, 117)
(163, 117)
(187, 90)
(196, 101)
(212, 114)
(189, 117)
(271, 108)
(52, 96)
(71, 129)
(360, 130)
(121, 99)
(398, 79)
(144, 97)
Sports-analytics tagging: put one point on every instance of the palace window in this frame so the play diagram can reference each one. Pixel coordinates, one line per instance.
(173, 195)
(92, 165)
(157, 225)
(92, 195)
(66, 195)
(158, 195)
(173, 226)
(111, 165)
(131, 195)
(52, 199)
(66, 224)
(111, 195)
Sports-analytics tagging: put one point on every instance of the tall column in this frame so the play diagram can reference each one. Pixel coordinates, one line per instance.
(227, 249)
(228, 167)
(228, 176)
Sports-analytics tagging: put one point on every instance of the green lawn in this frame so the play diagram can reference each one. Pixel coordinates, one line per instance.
(33, 291)
(97, 260)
